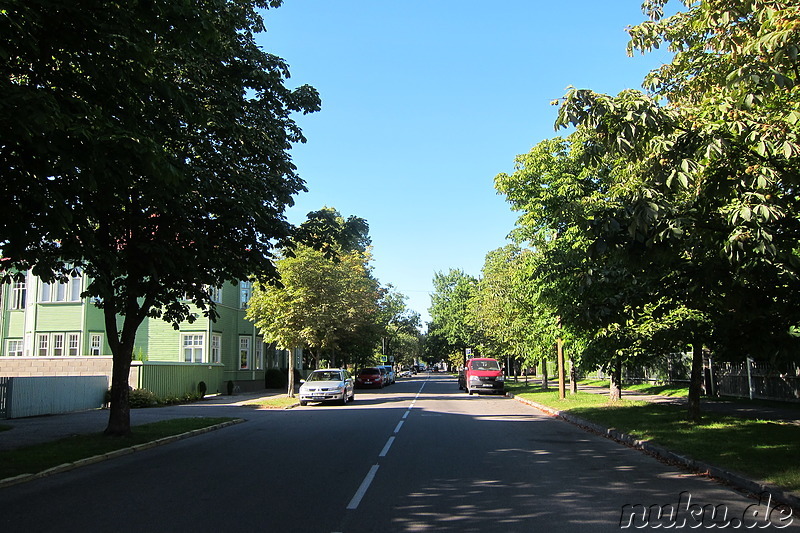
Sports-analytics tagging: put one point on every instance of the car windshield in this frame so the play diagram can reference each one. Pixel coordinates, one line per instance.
(325, 376)
(485, 365)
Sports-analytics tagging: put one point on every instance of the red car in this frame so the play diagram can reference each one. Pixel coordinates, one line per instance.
(369, 377)
(483, 374)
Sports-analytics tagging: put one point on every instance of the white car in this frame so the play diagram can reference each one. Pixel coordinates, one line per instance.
(330, 384)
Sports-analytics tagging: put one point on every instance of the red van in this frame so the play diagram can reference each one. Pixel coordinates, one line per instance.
(484, 374)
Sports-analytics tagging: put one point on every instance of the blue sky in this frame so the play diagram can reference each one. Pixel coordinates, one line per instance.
(425, 101)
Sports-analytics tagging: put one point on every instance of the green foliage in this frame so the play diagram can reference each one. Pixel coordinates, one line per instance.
(139, 398)
(450, 326)
(148, 146)
(322, 304)
(275, 379)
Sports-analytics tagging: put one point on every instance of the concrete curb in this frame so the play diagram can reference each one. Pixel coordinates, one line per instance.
(66, 467)
(732, 478)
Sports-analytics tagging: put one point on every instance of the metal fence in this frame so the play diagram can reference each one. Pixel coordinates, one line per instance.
(754, 379)
(749, 379)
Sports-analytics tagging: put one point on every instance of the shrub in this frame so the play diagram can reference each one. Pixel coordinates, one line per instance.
(142, 398)
(275, 379)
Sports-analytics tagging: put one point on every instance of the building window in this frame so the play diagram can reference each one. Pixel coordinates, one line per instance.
(14, 348)
(18, 292)
(259, 353)
(215, 293)
(58, 344)
(245, 290)
(216, 348)
(74, 346)
(244, 353)
(67, 291)
(96, 344)
(42, 344)
(193, 346)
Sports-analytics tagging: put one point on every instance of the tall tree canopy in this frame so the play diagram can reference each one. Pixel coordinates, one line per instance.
(327, 298)
(146, 144)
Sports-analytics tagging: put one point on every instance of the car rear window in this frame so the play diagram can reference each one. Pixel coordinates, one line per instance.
(369, 371)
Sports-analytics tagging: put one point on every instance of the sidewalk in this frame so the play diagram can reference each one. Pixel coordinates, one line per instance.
(38, 429)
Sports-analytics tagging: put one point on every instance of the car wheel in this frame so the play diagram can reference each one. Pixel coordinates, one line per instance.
(353, 397)
(303, 403)
(344, 398)
(470, 391)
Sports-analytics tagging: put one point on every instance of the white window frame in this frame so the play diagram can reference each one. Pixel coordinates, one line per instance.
(62, 291)
(96, 344)
(193, 346)
(19, 290)
(73, 344)
(57, 342)
(15, 348)
(42, 344)
(215, 293)
(216, 348)
(244, 352)
(245, 291)
(259, 354)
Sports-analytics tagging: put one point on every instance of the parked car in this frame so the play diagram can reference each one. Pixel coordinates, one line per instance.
(369, 377)
(330, 384)
(390, 375)
(384, 375)
(483, 374)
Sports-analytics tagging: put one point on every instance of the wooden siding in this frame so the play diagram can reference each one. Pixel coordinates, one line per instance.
(177, 379)
(59, 317)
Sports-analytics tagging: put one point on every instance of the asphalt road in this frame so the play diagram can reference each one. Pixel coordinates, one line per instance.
(417, 456)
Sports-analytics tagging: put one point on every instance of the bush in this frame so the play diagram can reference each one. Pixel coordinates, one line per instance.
(278, 378)
(142, 398)
(275, 379)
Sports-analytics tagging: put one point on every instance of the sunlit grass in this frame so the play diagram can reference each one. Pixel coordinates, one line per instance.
(274, 402)
(759, 449)
(40, 457)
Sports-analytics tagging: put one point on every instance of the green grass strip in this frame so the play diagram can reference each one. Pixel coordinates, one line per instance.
(40, 457)
(274, 402)
(759, 449)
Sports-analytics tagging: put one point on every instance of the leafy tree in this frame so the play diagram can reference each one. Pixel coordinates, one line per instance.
(398, 323)
(145, 144)
(712, 155)
(450, 313)
(327, 299)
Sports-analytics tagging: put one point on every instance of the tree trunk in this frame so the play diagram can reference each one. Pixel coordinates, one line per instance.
(695, 382)
(573, 377)
(562, 376)
(545, 385)
(119, 413)
(290, 377)
(615, 385)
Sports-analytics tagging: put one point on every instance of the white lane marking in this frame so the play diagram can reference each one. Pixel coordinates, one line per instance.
(405, 415)
(399, 425)
(363, 488)
(385, 449)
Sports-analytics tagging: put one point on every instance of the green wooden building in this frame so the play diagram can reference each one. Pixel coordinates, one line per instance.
(49, 330)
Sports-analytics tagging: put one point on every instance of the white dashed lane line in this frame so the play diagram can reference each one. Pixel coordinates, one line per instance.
(362, 490)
